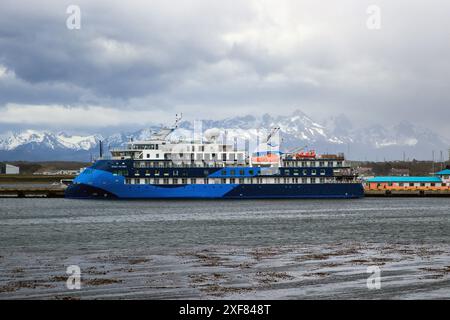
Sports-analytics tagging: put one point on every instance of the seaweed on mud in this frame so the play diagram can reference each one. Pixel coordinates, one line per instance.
(138, 260)
(58, 278)
(263, 253)
(67, 298)
(312, 256)
(209, 260)
(317, 274)
(202, 278)
(272, 276)
(29, 284)
(217, 290)
(94, 271)
(100, 281)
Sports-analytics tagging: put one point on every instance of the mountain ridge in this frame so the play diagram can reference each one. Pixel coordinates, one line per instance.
(335, 134)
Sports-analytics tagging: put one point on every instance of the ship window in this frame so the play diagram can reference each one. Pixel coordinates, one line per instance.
(321, 164)
(313, 180)
(224, 181)
(322, 172)
(250, 172)
(305, 172)
(148, 155)
(232, 180)
(184, 181)
(128, 181)
(287, 172)
(313, 172)
(147, 181)
(166, 181)
(330, 163)
(193, 181)
(304, 164)
(175, 173)
(175, 181)
(224, 172)
(241, 172)
(156, 181)
(152, 147)
(156, 172)
(304, 180)
(157, 155)
(322, 180)
(213, 155)
(232, 172)
(241, 180)
(206, 181)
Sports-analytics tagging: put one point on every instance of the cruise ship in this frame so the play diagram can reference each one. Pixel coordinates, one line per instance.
(160, 168)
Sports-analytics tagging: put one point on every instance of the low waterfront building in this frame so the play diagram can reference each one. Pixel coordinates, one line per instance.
(8, 169)
(409, 183)
(444, 175)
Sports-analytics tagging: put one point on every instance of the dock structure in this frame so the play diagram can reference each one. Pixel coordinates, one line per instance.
(32, 191)
(407, 193)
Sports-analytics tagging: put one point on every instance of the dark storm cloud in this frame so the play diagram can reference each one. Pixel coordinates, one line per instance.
(220, 58)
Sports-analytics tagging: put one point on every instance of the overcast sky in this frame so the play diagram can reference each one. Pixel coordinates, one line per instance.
(139, 62)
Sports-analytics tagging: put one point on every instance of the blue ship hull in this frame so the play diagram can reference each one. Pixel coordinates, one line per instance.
(103, 185)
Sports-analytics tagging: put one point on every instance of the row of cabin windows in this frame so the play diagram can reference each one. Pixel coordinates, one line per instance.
(145, 147)
(304, 172)
(422, 184)
(234, 172)
(183, 164)
(200, 156)
(227, 181)
(329, 164)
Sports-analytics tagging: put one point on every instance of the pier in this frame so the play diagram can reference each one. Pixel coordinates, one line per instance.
(32, 191)
(407, 193)
(50, 191)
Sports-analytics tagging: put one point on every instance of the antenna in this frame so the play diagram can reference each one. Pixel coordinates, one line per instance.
(177, 119)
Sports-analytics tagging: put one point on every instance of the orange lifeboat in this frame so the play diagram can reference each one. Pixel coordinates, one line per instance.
(267, 158)
(306, 155)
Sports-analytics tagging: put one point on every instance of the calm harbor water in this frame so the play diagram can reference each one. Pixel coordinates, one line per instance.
(211, 249)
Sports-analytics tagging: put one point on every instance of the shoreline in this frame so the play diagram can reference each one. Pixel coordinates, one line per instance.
(337, 271)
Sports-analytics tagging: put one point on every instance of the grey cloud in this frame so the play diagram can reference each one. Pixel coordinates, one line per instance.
(224, 58)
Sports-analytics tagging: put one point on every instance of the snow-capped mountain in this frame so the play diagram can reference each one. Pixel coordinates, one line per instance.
(336, 134)
(12, 141)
